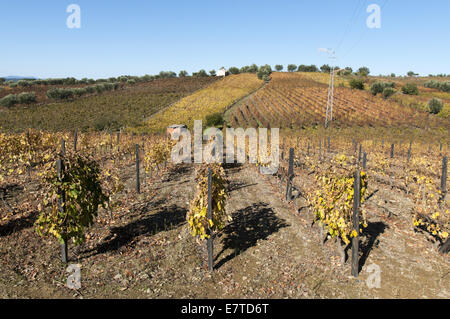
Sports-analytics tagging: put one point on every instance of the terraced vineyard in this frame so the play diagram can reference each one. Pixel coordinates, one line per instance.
(109, 110)
(295, 100)
(215, 98)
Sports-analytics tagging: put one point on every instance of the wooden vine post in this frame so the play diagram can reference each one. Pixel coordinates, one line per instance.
(409, 150)
(360, 153)
(443, 180)
(329, 144)
(364, 165)
(290, 175)
(355, 240)
(209, 241)
(61, 206)
(445, 246)
(75, 140)
(138, 183)
(392, 150)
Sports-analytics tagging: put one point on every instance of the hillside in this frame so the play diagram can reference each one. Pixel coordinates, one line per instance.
(127, 106)
(293, 100)
(212, 99)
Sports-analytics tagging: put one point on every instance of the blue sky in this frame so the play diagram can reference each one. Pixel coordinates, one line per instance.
(144, 37)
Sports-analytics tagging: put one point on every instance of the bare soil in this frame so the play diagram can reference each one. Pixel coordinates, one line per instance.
(269, 250)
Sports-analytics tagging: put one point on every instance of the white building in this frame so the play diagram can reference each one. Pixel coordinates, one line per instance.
(221, 72)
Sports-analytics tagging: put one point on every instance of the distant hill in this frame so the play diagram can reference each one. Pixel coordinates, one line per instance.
(17, 78)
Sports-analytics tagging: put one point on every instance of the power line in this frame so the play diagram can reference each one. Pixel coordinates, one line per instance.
(362, 35)
(350, 23)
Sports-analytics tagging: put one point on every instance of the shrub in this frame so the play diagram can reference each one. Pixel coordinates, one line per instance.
(348, 70)
(201, 73)
(435, 106)
(131, 81)
(265, 78)
(388, 92)
(108, 86)
(99, 88)
(167, 74)
(264, 70)
(60, 94)
(215, 120)
(363, 71)
(26, 97)
(357, 84)
(410, 88)
(378, 87)
(307, 68)
(278, 67)
(12, 84)
(23, 83)
(182, 74)
(90, 89)
(244, 69)
(233, 70)
(325, 68)
(291, 67)
(79, 91)
(444, 86)
(252, 68)
(69, 81)
(9, 100)
(55, 81)
(212, 72)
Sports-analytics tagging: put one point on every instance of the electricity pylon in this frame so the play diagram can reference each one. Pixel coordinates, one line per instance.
(330, 98)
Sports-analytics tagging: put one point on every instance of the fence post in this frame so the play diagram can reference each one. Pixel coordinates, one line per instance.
(443, 180)
(409, 150)
(209, 242)
(138, 183)
(329, 147)
(60, 170)
(75, 140)
(364, 160)
(392, 150)
(355, 240)
(360, 153)
(290, 175)
(307, 153)
(63, 147)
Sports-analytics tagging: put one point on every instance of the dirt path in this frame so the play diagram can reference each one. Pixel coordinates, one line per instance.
(230, 110)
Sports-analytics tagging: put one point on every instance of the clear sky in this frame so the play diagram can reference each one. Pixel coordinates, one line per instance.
(144, 37)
